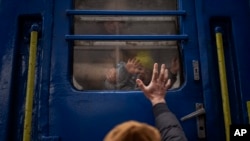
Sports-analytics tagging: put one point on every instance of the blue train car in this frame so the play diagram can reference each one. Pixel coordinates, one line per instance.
(57, 55)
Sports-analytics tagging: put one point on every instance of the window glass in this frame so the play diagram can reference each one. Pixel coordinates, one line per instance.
(126, 4)
(115, 64)
(113, 25)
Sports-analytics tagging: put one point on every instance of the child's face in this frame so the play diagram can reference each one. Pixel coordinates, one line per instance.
(140, 70)
(144, 74)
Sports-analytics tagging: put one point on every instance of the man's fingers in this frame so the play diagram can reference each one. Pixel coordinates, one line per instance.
(162, 73)
(140, 84)
(155, 72)
(165, 75)
(167, 85)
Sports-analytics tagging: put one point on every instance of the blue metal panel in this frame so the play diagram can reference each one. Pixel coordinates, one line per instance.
(10, 11)
(237, 13)
(6, 56)
(62, 112)
(211, 91)
(96, 112)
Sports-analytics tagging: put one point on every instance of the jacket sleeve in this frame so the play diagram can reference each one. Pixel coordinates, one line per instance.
(167, 124)
(124, 77)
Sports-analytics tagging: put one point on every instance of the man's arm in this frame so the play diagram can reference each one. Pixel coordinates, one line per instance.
(167, 123)
(156, 91)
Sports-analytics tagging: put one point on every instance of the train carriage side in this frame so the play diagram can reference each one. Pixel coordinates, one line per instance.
(79, 41)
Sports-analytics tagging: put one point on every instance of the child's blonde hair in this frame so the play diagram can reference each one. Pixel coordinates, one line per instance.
(145, 59)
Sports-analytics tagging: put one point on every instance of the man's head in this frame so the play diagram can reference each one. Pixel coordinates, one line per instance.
(114, 26)
(133, 131)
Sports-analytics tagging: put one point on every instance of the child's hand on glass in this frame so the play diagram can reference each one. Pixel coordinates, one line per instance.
(133, 66)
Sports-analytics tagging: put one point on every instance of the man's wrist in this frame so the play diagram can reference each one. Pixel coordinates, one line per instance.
(156, 101)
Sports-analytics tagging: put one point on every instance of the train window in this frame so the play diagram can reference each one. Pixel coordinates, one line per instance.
(115, 64)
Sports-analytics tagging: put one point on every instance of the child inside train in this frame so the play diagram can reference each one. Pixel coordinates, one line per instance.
(124, 75)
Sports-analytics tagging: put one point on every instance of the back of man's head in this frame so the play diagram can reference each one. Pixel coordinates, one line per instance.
(133, 131)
